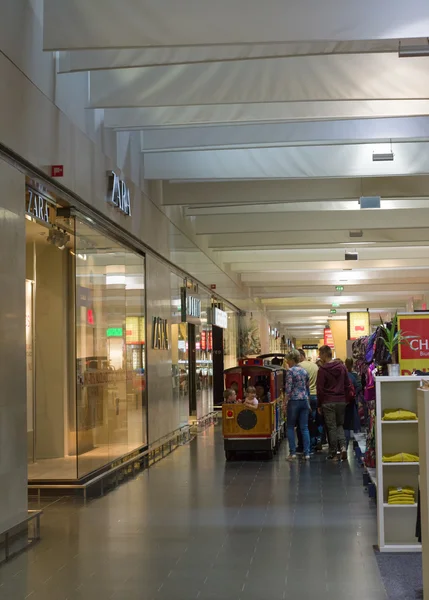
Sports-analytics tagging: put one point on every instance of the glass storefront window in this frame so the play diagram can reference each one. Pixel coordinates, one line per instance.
(231, 341)
(111, 409)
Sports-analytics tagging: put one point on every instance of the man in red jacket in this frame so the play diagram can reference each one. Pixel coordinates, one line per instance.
(333, 391)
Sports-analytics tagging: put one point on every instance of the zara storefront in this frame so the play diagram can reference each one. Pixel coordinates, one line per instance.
(85, 339)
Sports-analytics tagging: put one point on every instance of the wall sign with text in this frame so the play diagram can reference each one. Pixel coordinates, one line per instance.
(118, 194)
(328, 338)
(39, 206)
(219, 318)
(160, 334)
(190, 307)
(414, 355)
(358, 325)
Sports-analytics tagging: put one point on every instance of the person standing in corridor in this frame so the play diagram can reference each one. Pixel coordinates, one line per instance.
(312, 370)
(298, 403)
(333, 391)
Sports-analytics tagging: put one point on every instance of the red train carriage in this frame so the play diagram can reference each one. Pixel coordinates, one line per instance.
(262, 429)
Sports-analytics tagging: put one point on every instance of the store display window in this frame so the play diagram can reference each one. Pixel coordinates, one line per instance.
(85, 348)
(111, 419)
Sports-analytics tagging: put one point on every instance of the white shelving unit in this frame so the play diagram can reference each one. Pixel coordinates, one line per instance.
(396, 523)
(423, 408)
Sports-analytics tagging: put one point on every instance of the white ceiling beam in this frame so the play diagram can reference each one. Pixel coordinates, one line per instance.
(296, 162)
(278, 293)
(225, 193)
(244, 259)
(420, 274)
(88, 60)
(329, 265)
(308, 207)
(299, 239)
(331, 220)
(302, 78)
(284, 134)
(210, 114)
(79, 24)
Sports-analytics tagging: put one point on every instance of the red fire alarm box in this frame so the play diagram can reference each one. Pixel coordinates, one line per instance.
(57, 171)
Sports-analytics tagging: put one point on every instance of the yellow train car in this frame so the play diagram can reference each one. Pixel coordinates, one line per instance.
(254, 430)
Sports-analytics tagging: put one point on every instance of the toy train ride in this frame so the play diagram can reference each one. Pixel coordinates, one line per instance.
(261, 429)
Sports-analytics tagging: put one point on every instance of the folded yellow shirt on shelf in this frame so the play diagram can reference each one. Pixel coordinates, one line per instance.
(404, 457)
(401, 497)
(400, 501)
(391, 414)
(401, 490)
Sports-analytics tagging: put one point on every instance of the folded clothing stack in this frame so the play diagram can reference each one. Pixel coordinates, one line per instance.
(404, 457)
(401, 495)
(393, 414)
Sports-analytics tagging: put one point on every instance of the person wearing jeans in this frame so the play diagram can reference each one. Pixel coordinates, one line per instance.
(298, 403)
(314, 422)
(333, 392)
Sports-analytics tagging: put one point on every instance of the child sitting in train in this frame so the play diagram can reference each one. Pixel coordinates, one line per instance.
(250, 400)
(229, 397)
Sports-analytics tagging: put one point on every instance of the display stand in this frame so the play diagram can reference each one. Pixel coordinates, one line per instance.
(396, 523)
(423, 410)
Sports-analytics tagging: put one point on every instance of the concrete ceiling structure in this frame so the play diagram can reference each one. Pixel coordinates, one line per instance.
(261, 121)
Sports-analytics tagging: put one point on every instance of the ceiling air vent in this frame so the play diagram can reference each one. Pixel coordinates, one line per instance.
(357, 233)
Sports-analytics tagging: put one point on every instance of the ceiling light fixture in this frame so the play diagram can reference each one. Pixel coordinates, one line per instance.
(58, 238)
(413, 51)
(383, 156)
(370, 201)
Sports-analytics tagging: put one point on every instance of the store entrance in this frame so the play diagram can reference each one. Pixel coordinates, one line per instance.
(85, 349)
(192, 370)
(200, 370)
(218, 364)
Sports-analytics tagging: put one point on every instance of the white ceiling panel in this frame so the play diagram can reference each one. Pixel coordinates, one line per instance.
(88, 60)
(301, 221)
(288, 162)
(282, 134)
(213, 114)
(303, 78)
(79, 24)
(228, 193)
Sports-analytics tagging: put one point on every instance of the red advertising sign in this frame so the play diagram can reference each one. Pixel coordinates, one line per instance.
(415, 354)
(210, 341)
(328, 338)
(203, 340)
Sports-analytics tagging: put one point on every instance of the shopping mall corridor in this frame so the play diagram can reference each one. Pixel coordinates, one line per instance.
(194, 526)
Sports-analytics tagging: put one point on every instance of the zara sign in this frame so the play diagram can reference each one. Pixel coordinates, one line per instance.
(118, 194)
(38, 206)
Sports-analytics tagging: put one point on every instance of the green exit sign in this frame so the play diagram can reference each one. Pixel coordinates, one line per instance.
(339, 288)
(333, 311)
(335, 305)
(114, 332)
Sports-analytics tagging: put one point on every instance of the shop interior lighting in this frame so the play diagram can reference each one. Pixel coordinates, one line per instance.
(58, 238)
(413, 51)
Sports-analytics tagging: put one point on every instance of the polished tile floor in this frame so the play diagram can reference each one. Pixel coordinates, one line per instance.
(194, 527)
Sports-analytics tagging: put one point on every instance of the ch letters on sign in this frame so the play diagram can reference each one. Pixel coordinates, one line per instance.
(37, 205)
(159, 334)
(119, 194)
